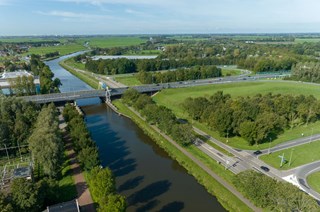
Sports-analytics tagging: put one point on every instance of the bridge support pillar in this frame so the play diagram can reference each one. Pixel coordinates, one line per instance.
(108, 95)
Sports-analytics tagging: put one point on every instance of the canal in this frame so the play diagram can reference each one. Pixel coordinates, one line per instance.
(144, 173)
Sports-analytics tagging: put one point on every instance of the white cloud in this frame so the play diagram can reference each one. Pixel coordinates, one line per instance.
(68, 14)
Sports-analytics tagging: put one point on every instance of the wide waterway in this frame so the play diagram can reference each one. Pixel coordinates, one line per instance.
(144, 173)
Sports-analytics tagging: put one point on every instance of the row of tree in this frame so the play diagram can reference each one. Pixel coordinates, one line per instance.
(159, 115)
(38, 68)
(84, 146)
(194, 73)
(273, 195)
(45, 142)
(257, 119)
(101, 180)
(123, 65)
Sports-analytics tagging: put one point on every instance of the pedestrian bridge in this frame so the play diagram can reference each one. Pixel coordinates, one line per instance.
(72, 96)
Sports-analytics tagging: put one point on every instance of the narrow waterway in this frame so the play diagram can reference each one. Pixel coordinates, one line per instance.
(144, 173)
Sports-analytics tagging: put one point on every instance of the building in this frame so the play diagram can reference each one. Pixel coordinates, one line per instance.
(15, 74)
(71, 206)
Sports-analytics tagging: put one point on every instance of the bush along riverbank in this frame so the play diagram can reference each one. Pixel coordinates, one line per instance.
(224, 196)
(100, 180)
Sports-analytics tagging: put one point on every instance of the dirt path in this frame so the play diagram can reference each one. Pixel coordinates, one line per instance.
(84, 198)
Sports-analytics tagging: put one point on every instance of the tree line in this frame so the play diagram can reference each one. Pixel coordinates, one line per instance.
(38, 68)
(39, 128)
(257, 119)
(161, 116)
(22, 85)
(181, 74)
(273, 195)
(306, 71)
(124, 65)
(101, 180)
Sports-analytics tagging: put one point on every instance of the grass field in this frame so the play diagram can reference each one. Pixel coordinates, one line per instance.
(308, 40)
(72, 63)
(28, 39)
(225, 197)
(106, 42)
(128, 80)
(63, 49)
(313, 181)
(230, 72)
(301, 155)
(172, 98)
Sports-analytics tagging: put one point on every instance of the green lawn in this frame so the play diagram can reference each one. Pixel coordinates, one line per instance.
(66, 184)
(314, 181)
(301, 155)
(230, 72)
(172, 98)
(63, 49)
(107, 42)
(75, 64)
(128, 80)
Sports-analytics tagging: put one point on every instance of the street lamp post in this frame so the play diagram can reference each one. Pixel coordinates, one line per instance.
(290, 157)
(311, 135)
(269, 145)
(227, 135)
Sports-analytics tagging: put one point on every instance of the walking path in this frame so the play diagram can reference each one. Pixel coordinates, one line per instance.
(203, 166)
(84, 198)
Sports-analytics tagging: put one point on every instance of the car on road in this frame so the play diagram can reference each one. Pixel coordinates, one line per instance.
(258, 152)
(264, 168)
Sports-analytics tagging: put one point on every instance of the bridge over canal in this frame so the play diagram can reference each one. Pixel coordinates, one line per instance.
(72, 96)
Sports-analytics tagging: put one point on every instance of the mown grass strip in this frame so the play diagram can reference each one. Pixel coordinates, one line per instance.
(314, 182)
(91, 81)
(224, 196)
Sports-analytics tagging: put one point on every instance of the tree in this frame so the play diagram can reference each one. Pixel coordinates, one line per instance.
(26, 195)
(5, 203)
(45, 142)
(102, 183)
(89, 157)
(113, 203)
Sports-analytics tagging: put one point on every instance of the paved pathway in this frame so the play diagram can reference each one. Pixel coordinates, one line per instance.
(84, 198)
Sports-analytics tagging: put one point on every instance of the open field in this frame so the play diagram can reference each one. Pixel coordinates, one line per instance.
(308, 40)
(172, 98)
(63, 49)
(313, 181)
(301, 155)
(128, 80)
(230, 72)
(106, 42)
(225, 197)
(28, 39)
(72, 63)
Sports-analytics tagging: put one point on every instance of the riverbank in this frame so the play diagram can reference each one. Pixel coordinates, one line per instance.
(227, 198)
(91, 81)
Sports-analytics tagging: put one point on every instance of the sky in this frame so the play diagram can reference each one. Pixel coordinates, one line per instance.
(85, 17)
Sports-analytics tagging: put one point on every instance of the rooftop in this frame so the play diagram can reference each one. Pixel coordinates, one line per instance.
(15, 74)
